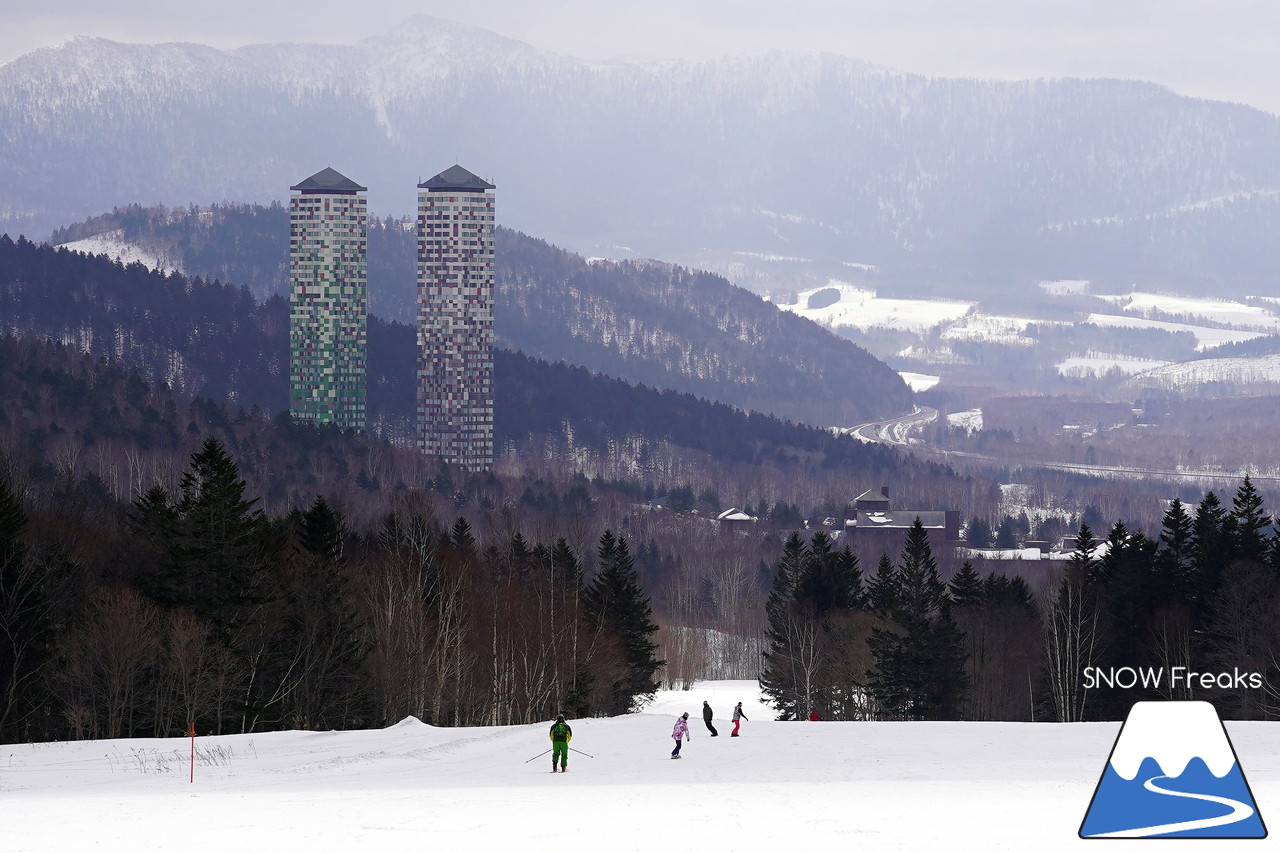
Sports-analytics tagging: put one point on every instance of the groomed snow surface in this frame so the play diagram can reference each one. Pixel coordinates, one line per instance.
(411, 787)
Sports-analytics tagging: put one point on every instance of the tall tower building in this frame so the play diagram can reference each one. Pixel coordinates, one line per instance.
(455, 318)
(328, 300)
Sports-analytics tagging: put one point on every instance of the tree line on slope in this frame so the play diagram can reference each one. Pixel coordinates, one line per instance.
(84, 438)
(1200, 598)
(210, 611)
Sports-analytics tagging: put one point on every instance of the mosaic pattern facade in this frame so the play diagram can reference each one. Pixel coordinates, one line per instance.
(455, 319)
(328, 305)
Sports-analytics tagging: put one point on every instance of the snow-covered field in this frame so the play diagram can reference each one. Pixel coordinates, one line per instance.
(1205, 336)
(1216, 310)
(860, 308)
(919, 381)
(992, 328)
(970, 420)
(1263, 370)
(113, 245)
(411, 787)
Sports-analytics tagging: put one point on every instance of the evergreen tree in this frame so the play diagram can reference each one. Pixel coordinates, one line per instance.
(1250, 533)
(1123, 583)
(1175, 562)
(321, 637)
(814, 659)
(462, 541)
(919, 668)
(829, 579)
(978, 533)
(966, 587)
(26, 619)
(1273, 554)
(1211, 549)
(849, 579)
(216, 560)
(567, 593)
(1007, 534)
(154, 523)
(217, 566)
(566, 566)
(781, 679)
(1009, 593)
(616, 602)
(882, 591)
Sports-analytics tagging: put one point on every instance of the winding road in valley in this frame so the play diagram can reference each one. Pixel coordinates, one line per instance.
(894, 430)
(897, 431)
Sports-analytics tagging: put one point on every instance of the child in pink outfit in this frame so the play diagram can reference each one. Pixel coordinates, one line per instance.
(681, 730)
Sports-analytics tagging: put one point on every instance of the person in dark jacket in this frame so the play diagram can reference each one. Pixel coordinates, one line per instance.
(707, 716)
(738, 717)
(561, 734)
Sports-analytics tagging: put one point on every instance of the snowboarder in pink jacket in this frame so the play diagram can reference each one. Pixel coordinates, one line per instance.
(681, 730)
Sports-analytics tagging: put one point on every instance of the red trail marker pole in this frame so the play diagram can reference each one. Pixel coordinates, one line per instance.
(193, 753)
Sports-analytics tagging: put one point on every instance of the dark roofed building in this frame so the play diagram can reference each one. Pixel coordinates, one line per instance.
(330, 182)
(873, 499)
(455, 178)
(898, 522)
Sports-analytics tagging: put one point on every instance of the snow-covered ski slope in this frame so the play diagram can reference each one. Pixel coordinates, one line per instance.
(412, 787)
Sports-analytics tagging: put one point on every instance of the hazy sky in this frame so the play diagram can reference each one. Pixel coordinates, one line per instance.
(1225, 49)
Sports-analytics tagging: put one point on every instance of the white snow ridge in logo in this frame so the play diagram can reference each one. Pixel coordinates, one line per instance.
(1173, 774)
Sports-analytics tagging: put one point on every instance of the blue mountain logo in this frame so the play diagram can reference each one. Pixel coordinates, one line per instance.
(1173, 774)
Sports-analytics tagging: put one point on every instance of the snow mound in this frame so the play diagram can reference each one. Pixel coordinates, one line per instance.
(409, 722)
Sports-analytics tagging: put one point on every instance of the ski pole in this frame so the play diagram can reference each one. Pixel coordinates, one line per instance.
(539, 755)
(580, 752)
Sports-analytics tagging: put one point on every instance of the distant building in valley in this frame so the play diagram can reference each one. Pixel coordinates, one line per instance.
(873, 500)
(874, 518)
(455, 318)
(734, 520)
(328, 300)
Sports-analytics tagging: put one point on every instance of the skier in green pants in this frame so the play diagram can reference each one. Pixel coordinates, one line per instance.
(561, 734)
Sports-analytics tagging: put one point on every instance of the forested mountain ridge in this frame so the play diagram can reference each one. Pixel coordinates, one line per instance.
(217, 342)
(644, 322)
(938, 182)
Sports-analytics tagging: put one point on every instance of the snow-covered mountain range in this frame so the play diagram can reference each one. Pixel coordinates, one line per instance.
(817, 157)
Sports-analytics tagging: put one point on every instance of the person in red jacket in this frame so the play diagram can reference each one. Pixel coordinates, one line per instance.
(681, 730)
(738, 717)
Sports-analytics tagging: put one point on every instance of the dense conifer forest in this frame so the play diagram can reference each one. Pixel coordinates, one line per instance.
(1189, 614)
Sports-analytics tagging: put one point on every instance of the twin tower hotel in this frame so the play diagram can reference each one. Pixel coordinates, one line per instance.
(328, 310)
